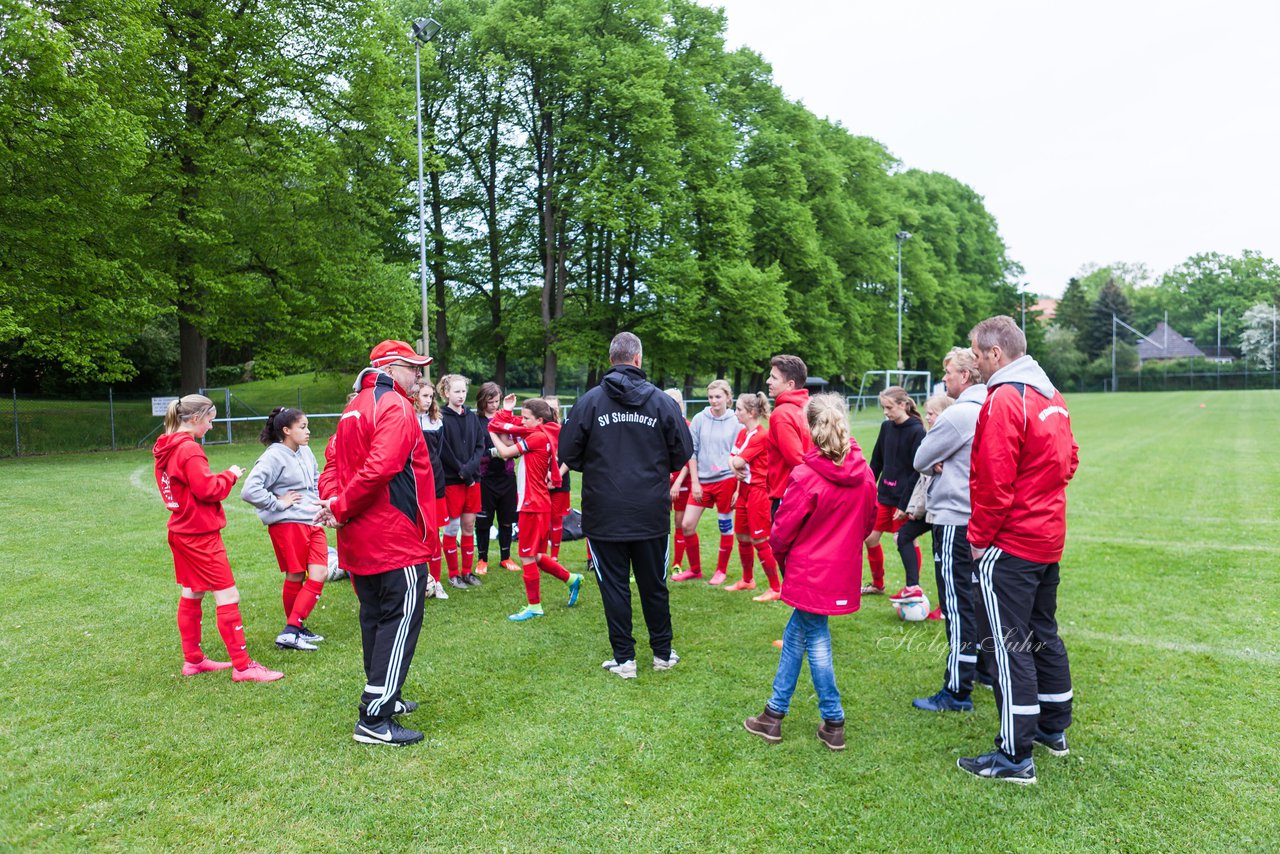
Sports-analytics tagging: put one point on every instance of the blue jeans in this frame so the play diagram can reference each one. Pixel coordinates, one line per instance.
(807, 633)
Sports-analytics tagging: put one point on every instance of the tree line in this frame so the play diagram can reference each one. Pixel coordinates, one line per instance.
(191, 183)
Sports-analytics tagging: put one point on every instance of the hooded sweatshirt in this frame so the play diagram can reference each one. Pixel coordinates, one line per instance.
(788, 438)
(1023, 456)
(949, 442)
(713, 438)
(825, 514)
(188, 489)
(626, 437)
(891, 461)
(276, 472)
(462, 446)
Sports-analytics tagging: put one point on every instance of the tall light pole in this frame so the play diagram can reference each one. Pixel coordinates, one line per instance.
(901, 235)
(424, 30)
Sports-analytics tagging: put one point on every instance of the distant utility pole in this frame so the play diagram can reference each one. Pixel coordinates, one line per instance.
(901, 236)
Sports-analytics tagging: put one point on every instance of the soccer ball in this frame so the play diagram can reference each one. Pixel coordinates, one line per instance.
(913, 610)
(336, 573)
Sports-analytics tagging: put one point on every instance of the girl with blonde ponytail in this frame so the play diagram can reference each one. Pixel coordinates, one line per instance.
(193, 496)
(826, 512)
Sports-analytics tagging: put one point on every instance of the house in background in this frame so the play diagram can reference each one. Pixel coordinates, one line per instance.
(1168, 345)
(1219, 355)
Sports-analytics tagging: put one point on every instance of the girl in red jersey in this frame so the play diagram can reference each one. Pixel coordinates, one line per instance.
(498, 492)
(893, 464)
(750, 461)
(282, 487)
(461, 450)
(530, 439)
(679, 493)
(193, 496)
(560, 493)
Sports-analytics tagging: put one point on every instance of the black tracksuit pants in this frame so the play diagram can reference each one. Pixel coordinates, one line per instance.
(1033, 677)
(390, 619)
(501, 503)
(614, 562)
(953, 570)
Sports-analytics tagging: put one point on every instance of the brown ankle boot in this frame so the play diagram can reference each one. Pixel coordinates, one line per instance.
(767, 725)
(831, 733)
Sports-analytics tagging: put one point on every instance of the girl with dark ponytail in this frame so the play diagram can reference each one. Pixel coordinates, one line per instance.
(282, 488)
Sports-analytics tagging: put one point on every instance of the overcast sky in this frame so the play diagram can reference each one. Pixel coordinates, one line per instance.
(1095, 131)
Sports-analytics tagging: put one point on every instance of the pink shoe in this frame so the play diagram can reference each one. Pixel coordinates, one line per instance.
(255, 672)
(204, 665)
(687, 575)
(769, 595)
(742, 585)
(778, 643)
(935, 614)
(718, 578)
(912, 592)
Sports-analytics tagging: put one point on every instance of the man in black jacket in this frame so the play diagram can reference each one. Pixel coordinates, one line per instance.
(627, 437)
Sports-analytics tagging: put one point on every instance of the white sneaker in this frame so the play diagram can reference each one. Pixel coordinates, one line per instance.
(289, 639)
(627, 669)
(440, 591)
(660, 664)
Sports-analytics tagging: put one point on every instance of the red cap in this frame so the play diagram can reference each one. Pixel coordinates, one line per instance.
(395, 351)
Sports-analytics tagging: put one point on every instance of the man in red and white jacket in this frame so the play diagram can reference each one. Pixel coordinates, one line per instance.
(788, 440)
(378, 489)
(1023, 456)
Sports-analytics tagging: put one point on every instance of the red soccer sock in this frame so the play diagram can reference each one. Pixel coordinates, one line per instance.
(231, 627)
(875, 556)
(451, 554)
(290, 593)
(433, 566)
(468, 552)
(679, 556)
(770, 564)
(726, 549)
(532, 583)
(189, 615)
(919, 560)
(551, 566)
(557, 536)
(747, 554)
(306, 601)
(695, 554)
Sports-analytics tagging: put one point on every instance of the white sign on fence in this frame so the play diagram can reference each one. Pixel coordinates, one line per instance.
(160, 405)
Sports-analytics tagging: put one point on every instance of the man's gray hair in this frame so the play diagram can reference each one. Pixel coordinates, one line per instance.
(624, 348)
(1000, 331)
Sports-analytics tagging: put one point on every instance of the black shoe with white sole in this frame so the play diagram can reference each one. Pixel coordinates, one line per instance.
(291, 639)
(997, 766)
(1054, 742)
(385, 731)
(403, 707)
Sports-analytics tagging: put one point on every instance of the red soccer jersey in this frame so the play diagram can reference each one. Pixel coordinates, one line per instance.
(538, 452)
(752, 445)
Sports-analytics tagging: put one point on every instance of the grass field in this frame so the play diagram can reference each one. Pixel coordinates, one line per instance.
(1168, 607)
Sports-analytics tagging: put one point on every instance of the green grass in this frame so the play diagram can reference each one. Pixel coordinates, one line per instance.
(103, 745)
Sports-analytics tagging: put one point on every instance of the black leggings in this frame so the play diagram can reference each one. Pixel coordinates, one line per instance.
(907, 536)
(503, 503)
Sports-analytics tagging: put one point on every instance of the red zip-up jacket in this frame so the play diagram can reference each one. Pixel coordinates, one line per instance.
(817, 535)
(192, 493)
(788, 438)
(378, 473)
(1023, 456)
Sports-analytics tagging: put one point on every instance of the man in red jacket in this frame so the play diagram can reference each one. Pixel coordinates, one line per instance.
(788, 438)
(377, 488)
(1023, 456)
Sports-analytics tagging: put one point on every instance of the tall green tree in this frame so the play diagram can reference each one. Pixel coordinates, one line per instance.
(1097, 333)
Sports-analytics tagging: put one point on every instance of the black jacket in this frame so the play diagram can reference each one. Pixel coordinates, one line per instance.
(463, 446)
(626, 437)
(893, 461)
(434, 439)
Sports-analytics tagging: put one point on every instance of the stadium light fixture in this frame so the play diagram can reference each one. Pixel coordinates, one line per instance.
(424, 30)
(901, 236)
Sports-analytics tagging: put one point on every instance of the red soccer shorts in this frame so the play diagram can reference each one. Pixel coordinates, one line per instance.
(682, 497)
(884, 519)
(460, 498)
(298, 545)
(559, 504)
(442, 512)
(751, 515)
(200, 561)
(718, 495)
(535, 528)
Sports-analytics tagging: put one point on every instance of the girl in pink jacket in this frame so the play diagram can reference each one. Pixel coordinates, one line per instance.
(828, 509)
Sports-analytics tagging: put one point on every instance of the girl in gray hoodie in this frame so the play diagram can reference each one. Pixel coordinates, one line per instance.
(282, 487)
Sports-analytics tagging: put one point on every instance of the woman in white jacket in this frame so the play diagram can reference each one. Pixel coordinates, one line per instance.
(282, 487)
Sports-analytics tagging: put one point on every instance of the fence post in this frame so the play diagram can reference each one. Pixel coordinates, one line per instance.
(111, 411)
(299, 398)
(17, 441)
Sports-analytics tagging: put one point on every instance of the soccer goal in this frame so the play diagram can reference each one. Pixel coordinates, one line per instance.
(919, 384)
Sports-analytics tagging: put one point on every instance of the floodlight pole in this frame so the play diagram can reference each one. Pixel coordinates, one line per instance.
(424, 30)
(901, 236)
(1113, 351)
